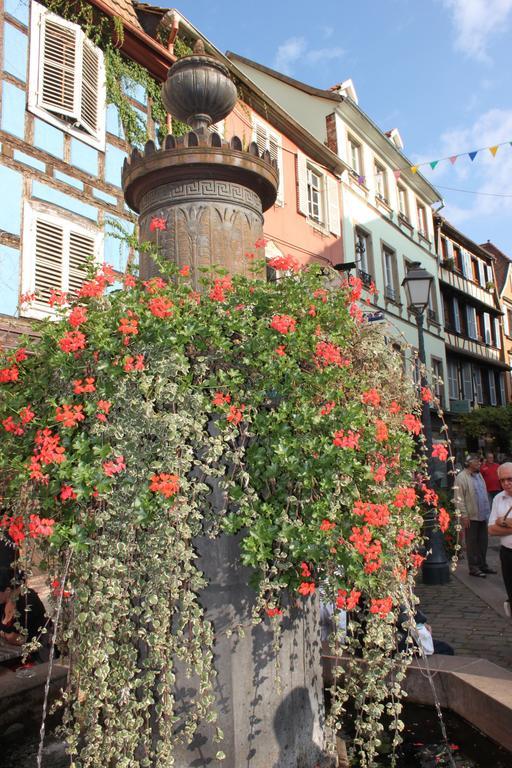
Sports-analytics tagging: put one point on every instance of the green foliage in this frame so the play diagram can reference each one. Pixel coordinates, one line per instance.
(494, 423)
(143, 399)
(121, 73)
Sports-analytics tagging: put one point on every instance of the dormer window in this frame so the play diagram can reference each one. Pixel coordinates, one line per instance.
(403, 204)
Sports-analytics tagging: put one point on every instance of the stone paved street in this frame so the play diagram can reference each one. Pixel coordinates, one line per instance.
(468, 613)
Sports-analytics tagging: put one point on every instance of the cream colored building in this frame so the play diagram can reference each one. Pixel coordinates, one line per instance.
(387, 218)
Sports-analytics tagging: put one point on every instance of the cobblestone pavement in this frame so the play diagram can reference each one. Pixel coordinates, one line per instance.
(468, 613)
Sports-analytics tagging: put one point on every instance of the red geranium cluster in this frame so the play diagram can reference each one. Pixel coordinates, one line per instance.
(235, 414)
(327, 353)
(326, 525)
(128, 326)
(134, 363)
(440, 451)
(96, 287)
(404, 538)
(9, 374)
(370, 548)
(104, 407)
(283, 324)
(348, 439)
(77, 316)
(412, 423)
(72, 341)
(221, 399)
(160, 307)
(382, 607)
(346, 601)
(114, 467)
(443, 518)
(405, 497)
(371, 397)
(47, 451)
(167, 485)
(221, 286)
(154, 285)
(327, 408)
(381, 431)
(284, 263)
(157, 223)
(69, 415)
(373, 514)
(79, 388)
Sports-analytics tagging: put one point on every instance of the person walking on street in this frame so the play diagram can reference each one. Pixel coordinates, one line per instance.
(489, 470)
(472, 503)
(500, 524)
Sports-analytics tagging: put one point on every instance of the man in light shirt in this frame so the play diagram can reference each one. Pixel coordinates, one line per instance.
(500, 524)
(472, 503)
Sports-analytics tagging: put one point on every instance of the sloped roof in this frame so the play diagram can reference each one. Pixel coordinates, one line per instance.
(125, 10)
(501, 265)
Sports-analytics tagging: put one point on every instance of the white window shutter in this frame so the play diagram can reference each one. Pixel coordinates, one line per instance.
(333, 207)
(276, 153)
(466, 264)
(449, 249)
(91, 87)
(453, 380)
(492, 386)
(467, 381)
(497, 332)
(502, 389)
(302, 184)
(490, 278)
(456, 315)
(477, 373)
(59, 53)
(487, 328)
(49, 257)
(81, 255)
(506, 325)
(471, 320)
(481, 272)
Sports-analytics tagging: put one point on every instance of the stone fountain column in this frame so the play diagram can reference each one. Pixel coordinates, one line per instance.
(211, 196)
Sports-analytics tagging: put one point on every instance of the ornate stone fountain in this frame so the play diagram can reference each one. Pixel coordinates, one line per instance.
(211, 194)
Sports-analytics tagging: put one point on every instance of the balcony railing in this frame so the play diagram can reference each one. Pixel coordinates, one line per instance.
(461, 283)
(365, 277)
(432, 316)
(390, 293)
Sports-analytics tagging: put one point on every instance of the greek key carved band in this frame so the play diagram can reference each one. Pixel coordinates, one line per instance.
(199, 190)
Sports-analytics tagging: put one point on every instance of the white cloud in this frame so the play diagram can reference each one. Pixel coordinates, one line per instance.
(476, 21)
(297, 48)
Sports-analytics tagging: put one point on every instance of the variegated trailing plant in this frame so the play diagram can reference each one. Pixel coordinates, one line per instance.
(104, 418)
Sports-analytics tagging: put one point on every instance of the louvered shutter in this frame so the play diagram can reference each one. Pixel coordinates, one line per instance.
(477, 373)
(49, 257)
(302, 184)
(260, 137)
(449, 249)
(91, 73)
(333, 207)
(502, 389)
(467, 381)
(481, 273)
(453, 380)
(466, 266)
(276, 153)
(487, 328)
(81, 254)
(497, 332)
(490, 277)
(506, 325)
(492, 387)
(456, 315)
(471, 321)
(59, 54)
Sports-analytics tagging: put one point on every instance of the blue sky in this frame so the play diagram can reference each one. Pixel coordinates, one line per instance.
(438, 70)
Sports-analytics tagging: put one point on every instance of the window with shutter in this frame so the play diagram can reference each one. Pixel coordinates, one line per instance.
(471, 321)
(302, 184)
(67, 77)
(503, 398)
(506, 323)
(481, 273)
(55, 255)
(487, 328)
(266, 139)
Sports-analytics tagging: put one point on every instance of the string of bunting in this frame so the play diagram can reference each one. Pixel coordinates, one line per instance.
(452, 158)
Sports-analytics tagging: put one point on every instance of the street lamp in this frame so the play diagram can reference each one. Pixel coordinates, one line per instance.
(418, 283)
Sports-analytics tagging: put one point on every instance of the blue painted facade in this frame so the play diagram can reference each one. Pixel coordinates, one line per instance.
(40, 159)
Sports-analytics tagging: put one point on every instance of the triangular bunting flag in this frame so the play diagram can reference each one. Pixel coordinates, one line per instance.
(361, 179)
(433, 164)
(453, 159)
(472, 155)
(397, 174)
(493, 150)
(414, 168)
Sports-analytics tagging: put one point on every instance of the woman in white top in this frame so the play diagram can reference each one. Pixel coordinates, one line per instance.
(500, 524)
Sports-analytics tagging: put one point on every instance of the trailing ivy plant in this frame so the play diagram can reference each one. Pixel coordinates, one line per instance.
(113, 421)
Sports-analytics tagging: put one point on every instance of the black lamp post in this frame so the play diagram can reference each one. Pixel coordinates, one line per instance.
(418, 283)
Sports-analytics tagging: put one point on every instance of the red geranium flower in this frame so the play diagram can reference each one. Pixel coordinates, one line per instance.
(158, 224)
(283, 324)
(167, 485)
(306, 588)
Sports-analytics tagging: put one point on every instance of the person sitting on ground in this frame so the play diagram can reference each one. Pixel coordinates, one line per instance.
(421, 635)
(472, 503)
(500, 524)
(22, 616)
(489, 470)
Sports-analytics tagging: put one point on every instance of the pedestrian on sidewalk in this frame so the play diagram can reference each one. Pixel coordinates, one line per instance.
(500, 524)
(472, 503)
(489, 470)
